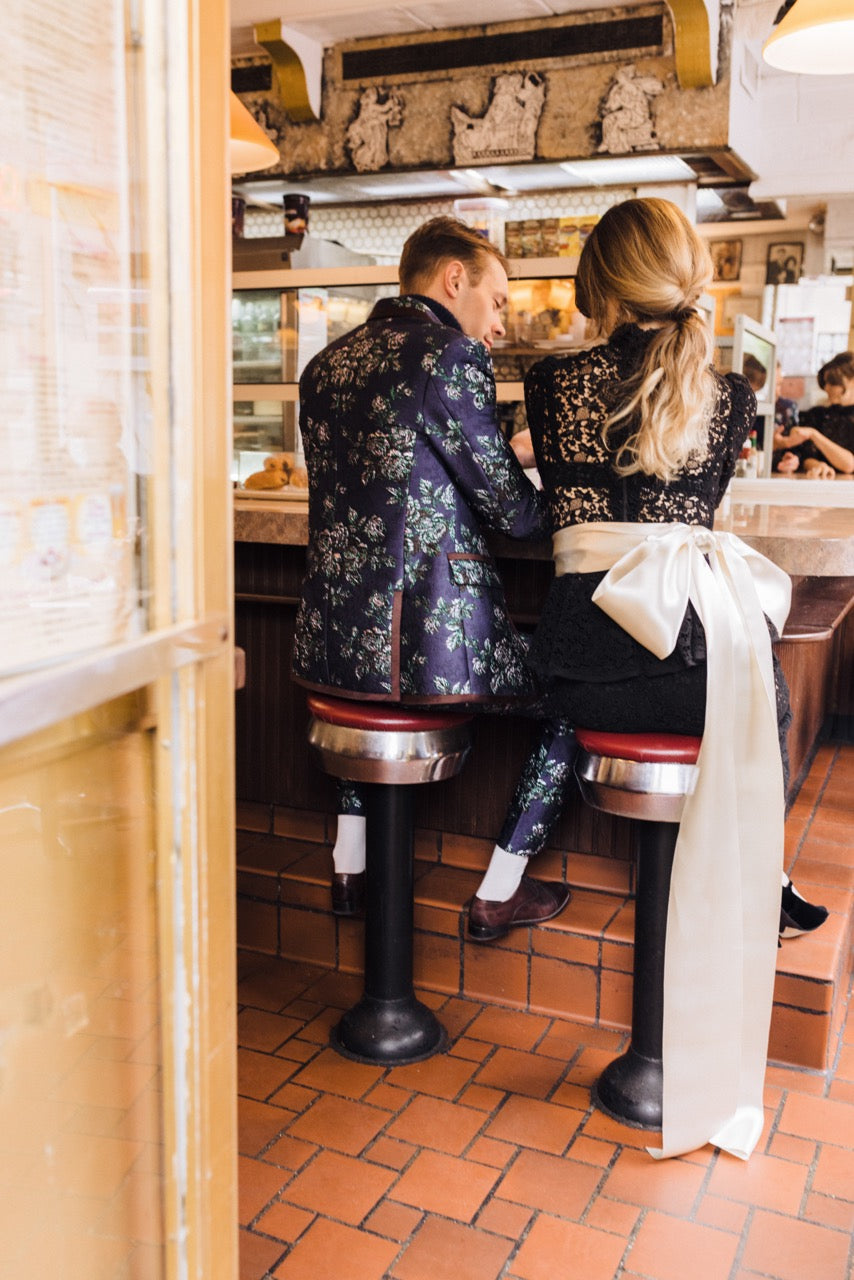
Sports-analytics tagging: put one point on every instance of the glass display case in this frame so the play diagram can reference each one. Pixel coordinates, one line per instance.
(281, 318)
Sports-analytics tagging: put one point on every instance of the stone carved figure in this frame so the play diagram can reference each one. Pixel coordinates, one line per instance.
(367, 136)
(626, 117)
(508, 129)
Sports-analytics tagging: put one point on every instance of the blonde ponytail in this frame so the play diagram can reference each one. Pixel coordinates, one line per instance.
(645, 263)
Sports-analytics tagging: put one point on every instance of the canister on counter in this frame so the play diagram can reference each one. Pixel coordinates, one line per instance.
(238, 211)
(296, 213)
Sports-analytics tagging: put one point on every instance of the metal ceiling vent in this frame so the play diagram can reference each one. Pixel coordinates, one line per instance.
(574, 40)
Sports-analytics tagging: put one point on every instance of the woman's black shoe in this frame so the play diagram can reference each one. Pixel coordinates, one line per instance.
(798, 916)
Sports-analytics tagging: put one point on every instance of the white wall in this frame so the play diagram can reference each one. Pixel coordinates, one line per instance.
(795, 131)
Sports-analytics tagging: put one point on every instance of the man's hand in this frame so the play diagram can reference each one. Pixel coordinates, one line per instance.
(523, 448)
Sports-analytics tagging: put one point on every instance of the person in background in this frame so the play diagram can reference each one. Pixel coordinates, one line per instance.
(755, 373)
(828, 430)
(785, 409)
(785, 417)
(635, 441)
(402, 603)
(821, 443)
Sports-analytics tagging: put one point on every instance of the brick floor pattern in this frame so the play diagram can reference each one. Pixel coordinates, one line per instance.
(489, 1162)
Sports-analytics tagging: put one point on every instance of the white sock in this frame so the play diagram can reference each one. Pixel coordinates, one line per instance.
(348, 855)
(502, 877)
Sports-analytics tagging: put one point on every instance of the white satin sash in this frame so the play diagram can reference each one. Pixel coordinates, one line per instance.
(724, 906)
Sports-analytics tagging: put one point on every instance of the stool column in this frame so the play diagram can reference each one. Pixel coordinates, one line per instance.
(389, 1025)
(630, 1087)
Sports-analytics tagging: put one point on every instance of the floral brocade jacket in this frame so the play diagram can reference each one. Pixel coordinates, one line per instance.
(407, 470)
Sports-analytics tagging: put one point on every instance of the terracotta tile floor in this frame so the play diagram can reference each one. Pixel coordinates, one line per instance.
(489, 1163)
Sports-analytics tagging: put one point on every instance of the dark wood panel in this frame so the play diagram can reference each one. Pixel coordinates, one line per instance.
(808, 669)
(841, 725)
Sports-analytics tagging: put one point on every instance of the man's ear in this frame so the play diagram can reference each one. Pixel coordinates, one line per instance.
(453, 277)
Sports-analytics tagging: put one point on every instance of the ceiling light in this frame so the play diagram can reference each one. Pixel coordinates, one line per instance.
(708, 204)
(629, 171)
(472, 180)
(813, 37)
(249, 148)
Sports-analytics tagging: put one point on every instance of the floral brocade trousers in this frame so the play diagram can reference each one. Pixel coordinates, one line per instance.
(544, 784)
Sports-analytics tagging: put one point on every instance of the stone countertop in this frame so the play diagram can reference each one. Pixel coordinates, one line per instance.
(271, 520)
(803, 540)
(808, 541)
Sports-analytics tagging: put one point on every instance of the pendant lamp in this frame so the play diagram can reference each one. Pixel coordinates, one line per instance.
(813, 37)
(249, 148)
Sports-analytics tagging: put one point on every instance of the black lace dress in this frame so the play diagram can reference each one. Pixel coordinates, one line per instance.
(592, 671)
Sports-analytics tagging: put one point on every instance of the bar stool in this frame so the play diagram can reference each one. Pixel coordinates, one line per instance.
(389, 748)
(645, 776)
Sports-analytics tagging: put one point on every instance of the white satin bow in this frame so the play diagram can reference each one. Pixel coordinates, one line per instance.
(723, 912)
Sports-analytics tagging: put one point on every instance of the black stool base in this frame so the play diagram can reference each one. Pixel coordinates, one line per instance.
(389, 1033)
(629, 1090)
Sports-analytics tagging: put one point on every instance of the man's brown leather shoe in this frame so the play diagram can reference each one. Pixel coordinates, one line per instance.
(532, 903)
(348, 893)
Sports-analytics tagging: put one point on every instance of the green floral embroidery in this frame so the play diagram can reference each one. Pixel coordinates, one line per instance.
(309, 628)
(449, 433)
(344, 550)
(450, 616)
(498, 659)
(369, 651)
(449, 688)
(430, 518)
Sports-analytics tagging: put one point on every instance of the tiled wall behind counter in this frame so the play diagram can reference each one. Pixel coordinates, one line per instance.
(380, 229)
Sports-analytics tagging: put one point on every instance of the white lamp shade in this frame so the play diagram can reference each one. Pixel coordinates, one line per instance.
(816, 37)
(249, 148)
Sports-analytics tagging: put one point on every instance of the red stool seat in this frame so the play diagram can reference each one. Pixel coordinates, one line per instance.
(657, 748)
(380, 715)
(637, 775)
(376, 742)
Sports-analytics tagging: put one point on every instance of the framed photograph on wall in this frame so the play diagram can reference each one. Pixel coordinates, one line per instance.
(783, 264)
(726, 257)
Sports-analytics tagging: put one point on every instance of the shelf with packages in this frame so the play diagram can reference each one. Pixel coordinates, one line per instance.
(281, 318)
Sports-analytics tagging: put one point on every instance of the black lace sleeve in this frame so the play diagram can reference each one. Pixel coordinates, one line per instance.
(742, 416)
(537, 382)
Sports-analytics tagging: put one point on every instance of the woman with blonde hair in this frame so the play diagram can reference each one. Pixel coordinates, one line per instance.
(639, 429)
(654, 623)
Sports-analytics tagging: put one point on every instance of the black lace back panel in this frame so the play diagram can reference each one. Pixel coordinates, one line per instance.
(568, 401)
